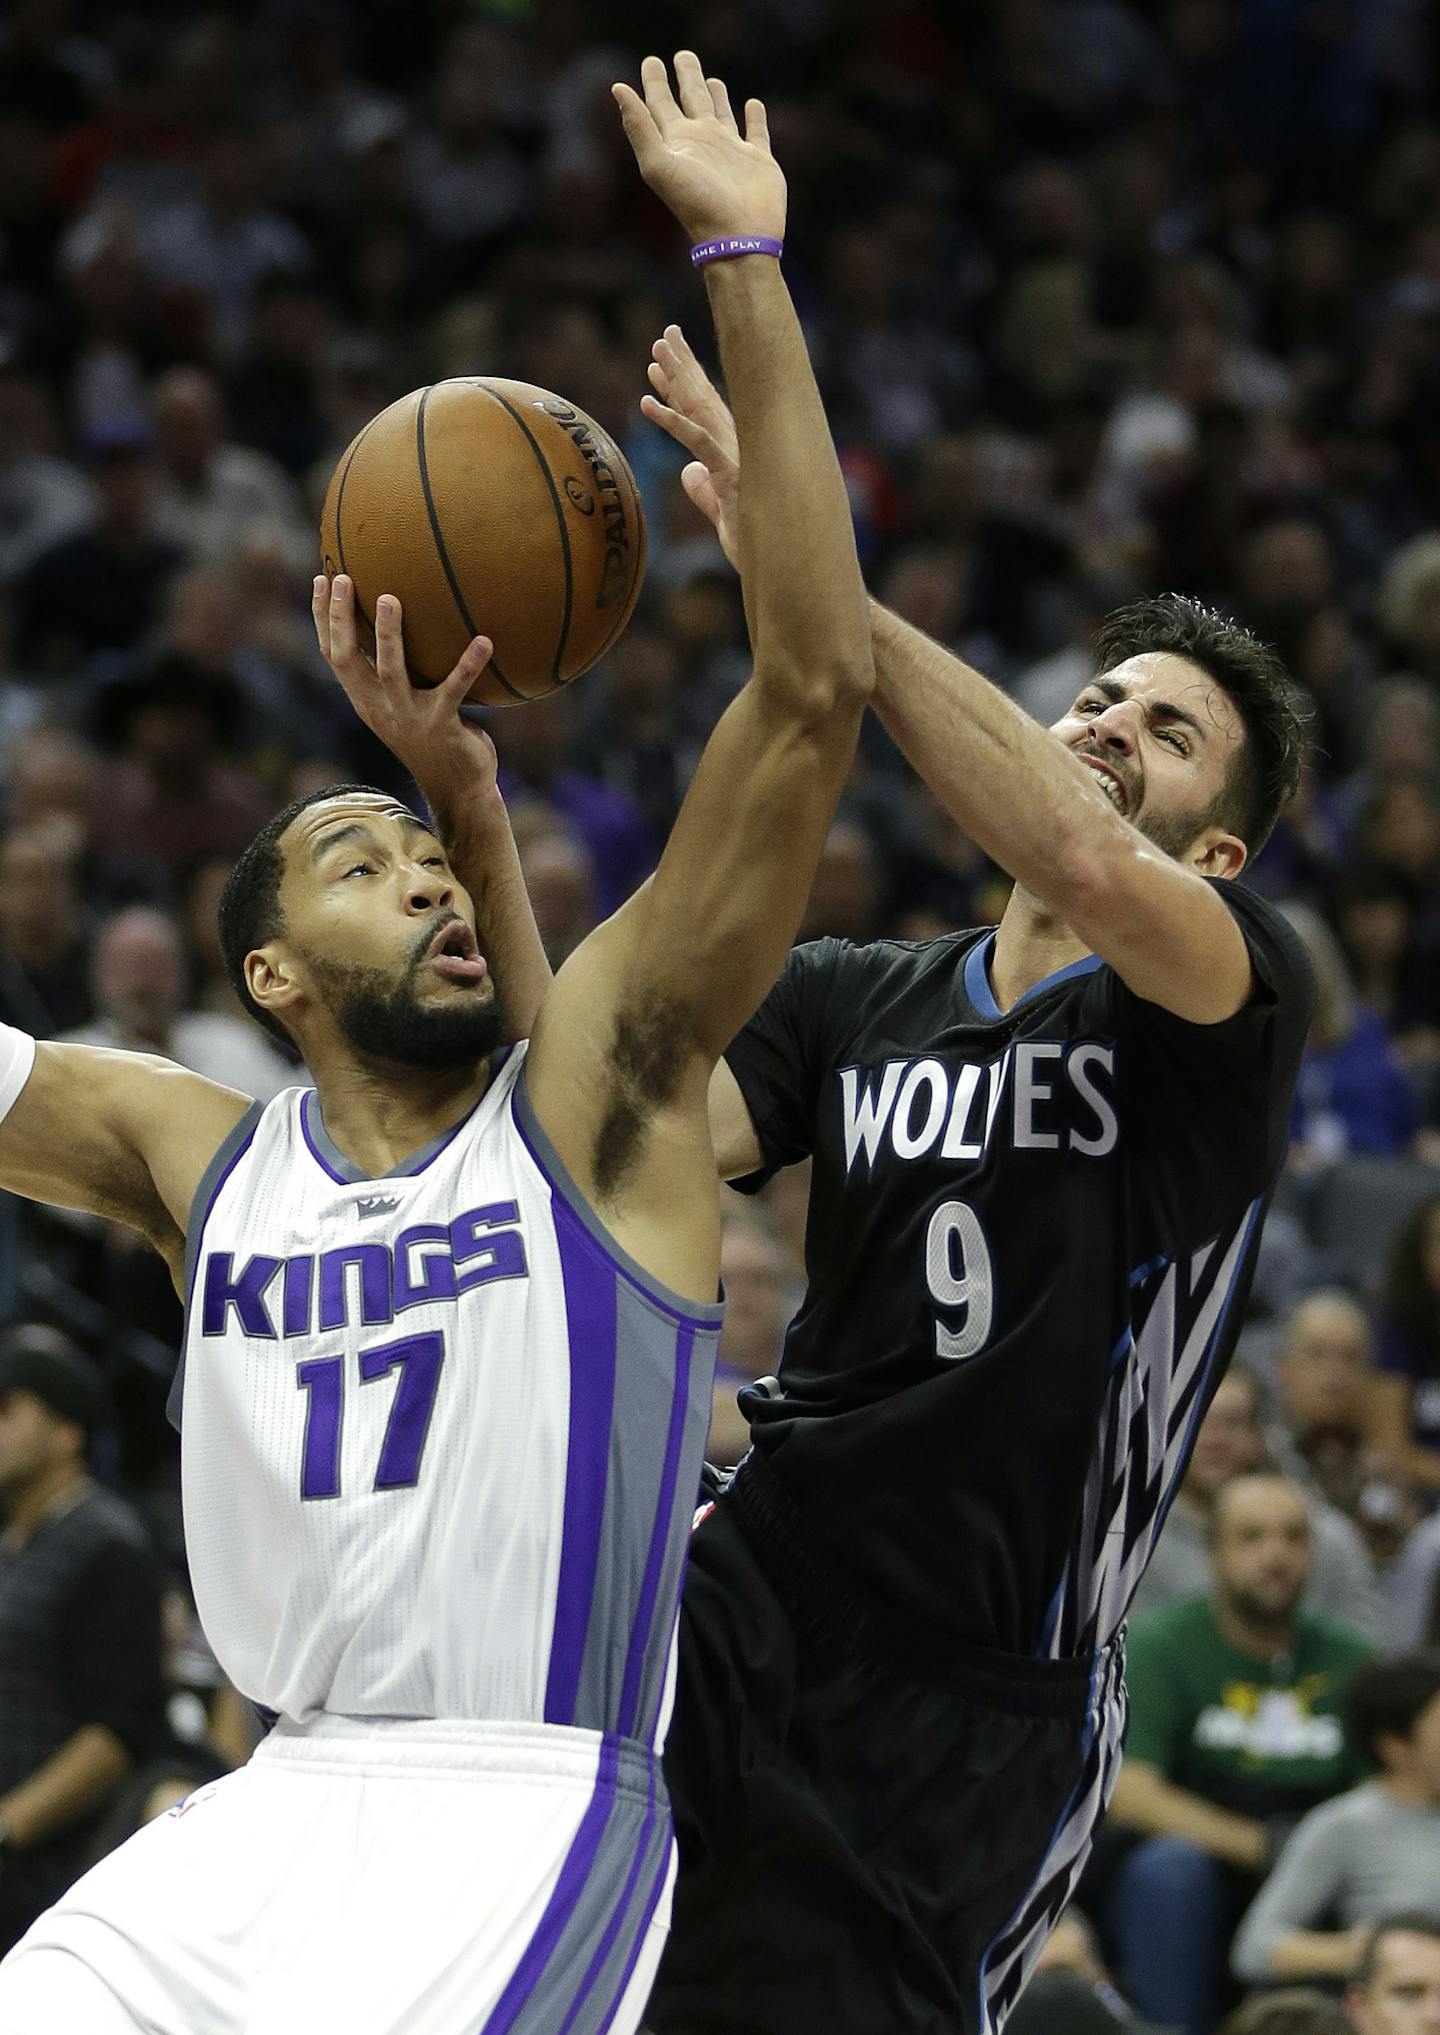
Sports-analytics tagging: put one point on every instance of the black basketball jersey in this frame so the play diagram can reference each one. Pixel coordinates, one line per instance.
(1029, 1243)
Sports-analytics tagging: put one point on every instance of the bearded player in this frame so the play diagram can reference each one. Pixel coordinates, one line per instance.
(450, 1317)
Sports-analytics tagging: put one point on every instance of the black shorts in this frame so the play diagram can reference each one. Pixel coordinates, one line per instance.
(871, 1842)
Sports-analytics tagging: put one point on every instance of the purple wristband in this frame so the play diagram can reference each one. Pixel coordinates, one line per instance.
(733, 245)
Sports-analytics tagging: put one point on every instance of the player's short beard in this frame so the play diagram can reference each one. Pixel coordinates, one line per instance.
(1174, 833)
(386, 1020)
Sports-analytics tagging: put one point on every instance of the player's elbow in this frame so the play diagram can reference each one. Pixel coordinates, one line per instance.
(816, 691)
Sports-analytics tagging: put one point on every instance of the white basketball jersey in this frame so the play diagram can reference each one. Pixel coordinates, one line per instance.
(441, 1437)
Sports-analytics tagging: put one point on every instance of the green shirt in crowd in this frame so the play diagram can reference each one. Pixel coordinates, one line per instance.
(1260, 1737)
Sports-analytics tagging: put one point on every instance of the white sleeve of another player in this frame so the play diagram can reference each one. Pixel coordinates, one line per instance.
(17, 1059)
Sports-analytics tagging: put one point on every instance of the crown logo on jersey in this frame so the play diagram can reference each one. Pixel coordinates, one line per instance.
(376, 1204)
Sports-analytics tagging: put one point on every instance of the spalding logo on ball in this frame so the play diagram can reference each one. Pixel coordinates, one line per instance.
(490, 508)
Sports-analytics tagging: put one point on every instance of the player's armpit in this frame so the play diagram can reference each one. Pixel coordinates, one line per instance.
(1164, 930)
(121, 1135)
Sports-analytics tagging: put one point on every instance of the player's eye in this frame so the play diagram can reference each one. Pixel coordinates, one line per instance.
(1176, 741)
(1090, 706)
(361, 869)
(433, 862)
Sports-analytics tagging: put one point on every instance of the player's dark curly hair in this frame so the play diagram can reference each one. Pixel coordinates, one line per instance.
(1265, 773)
(250, 912)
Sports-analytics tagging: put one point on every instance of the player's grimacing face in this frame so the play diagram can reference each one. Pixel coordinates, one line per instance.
(1161, 735)
(385, 934)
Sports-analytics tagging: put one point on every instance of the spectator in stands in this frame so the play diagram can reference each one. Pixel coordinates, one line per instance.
(1396, 1989)
(1324, 1371)
(1236, 1729)
(1355, 1093)
(99, 589)
(1232, 1443)
(1406, 1420)
(537, 760)
(1369, 1852)
(1397, 975)
(559, 873)
(44, 986)
(81, 1693)
(212, 493)
(140, 1007)
(759, 1293)
(173, 793)
(1296, 2010)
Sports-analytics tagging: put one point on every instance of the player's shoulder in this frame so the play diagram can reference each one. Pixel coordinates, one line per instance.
(1280, 955)
(884, 961)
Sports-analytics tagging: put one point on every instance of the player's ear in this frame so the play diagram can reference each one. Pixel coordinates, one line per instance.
(272, 978)
(1217, 853)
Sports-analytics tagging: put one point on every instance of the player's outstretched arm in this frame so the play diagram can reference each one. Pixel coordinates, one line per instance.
(120, 1135)
(1030, 804)
(453, 762)
(666, 983)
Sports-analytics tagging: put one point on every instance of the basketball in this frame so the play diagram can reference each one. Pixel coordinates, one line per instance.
(489, 508)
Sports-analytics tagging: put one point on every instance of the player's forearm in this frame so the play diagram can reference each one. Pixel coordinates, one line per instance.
(804, 593)
(482, 853)
(78, 1778)
(1017, 792)
(1146, 1801)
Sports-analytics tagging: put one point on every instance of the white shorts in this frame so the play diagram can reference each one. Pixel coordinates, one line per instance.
(364, 1879)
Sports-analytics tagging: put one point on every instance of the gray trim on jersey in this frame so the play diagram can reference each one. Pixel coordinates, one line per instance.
(201, 1202)
(324, 1148)
(638, 1870)
(646, 1354)
(704, 1314)
(579, 1959)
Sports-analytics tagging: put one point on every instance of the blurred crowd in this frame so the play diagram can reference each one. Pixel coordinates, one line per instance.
(1105, 298)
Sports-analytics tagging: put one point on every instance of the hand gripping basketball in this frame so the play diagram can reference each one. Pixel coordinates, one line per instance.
(421, 726)
(692, 154)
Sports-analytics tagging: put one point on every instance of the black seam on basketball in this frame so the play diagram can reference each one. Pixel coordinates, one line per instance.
(340, 493)
(544, 466)
(628, 605)
(444, 555)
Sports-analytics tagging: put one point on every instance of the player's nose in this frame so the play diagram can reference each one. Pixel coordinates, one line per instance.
(427, 891)
(1119, 726)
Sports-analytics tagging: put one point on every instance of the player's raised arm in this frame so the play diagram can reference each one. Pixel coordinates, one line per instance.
(454, 764)
(1031, 803)
(664, 985)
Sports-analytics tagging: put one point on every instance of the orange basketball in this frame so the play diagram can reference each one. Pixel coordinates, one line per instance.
(489, 508)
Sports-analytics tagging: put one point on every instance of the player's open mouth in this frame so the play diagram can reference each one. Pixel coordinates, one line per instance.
(454, 955)
(1110, 784)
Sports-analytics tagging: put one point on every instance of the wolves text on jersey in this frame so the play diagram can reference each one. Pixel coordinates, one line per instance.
(1044, 1094)
(362, 1283)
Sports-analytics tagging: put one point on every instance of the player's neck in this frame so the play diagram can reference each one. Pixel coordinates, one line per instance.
(1030, 944)
(379, 1115)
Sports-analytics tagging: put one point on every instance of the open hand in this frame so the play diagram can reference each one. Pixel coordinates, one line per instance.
(687, 404)
(422, 727)
(692, 154)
